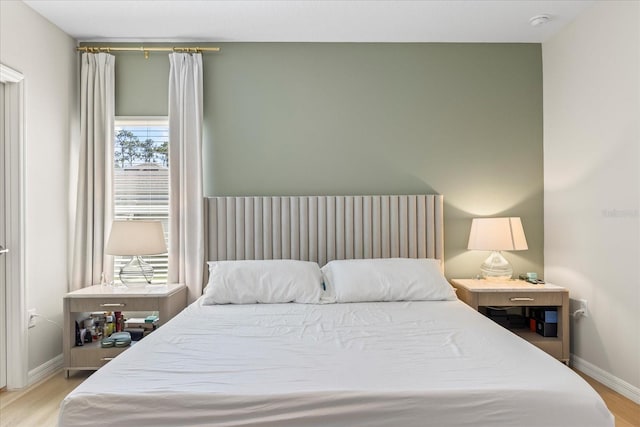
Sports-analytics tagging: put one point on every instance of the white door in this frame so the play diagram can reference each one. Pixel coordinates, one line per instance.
(13, 322)
(3, 256)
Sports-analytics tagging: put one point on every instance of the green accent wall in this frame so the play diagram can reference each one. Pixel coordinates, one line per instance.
(462, 120)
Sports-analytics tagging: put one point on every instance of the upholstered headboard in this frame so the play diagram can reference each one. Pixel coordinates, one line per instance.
(324, 228)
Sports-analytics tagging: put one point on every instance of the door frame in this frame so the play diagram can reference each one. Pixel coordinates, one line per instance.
(16, 311)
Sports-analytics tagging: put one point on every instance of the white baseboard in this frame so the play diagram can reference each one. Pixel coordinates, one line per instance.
(621, 386)
(45, 370)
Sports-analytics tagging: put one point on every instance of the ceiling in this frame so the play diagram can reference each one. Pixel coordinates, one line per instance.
(309, 20)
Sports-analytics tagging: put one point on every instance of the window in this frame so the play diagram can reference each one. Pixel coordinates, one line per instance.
(141, 179)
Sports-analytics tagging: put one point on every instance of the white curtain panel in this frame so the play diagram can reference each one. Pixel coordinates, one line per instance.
(91, 180)
(186, 204)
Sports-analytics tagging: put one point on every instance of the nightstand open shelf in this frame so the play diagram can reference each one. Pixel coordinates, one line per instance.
(518, 293)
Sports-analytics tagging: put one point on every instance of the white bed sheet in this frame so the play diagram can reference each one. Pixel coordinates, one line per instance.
(364, 364)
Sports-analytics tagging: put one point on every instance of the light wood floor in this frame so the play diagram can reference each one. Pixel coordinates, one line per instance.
(627, 413)
(38, 405)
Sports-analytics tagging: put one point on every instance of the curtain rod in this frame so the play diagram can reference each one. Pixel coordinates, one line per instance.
(146, 50)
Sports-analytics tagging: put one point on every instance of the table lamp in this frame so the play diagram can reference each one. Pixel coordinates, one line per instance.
(136, 238)
(497, 234)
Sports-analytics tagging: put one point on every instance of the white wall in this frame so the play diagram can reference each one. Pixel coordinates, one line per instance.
(592, 184)
(46, 56)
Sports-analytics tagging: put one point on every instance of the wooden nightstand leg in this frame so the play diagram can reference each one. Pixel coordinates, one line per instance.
(563, 333)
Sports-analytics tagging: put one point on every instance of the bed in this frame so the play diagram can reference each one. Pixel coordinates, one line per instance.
(345, 355)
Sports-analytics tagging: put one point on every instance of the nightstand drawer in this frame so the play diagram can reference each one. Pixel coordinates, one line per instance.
(113, 304)
(551, 347)
(519, 298)
(92, 356)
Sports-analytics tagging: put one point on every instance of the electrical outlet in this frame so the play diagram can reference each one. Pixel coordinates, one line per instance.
(578, 308)
(583, 305)
(33, 315)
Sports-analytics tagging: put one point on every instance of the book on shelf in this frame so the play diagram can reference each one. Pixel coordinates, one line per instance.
(141, 323)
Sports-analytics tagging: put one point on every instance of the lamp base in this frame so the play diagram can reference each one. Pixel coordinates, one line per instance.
(136, 272)
(496, 267)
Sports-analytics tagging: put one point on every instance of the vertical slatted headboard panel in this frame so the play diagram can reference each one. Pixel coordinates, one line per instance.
(324, 228)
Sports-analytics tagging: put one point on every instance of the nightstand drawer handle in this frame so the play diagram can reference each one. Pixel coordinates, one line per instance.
(117, 304)
(521, 299)
(107, 359)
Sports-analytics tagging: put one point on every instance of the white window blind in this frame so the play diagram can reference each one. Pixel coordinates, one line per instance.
(141, 179)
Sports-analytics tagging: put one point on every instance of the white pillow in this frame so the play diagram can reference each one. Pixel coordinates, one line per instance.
(390, 279)
(263, 281)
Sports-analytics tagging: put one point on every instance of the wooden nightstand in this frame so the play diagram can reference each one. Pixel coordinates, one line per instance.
(518, 293)
(167, 300)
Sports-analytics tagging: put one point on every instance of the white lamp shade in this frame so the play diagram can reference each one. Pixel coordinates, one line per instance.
(497, 234)
(136, 238)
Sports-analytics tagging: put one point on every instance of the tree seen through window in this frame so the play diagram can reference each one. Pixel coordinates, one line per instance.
(129, 149)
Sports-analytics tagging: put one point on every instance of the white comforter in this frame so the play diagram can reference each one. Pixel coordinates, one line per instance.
(364, 364)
